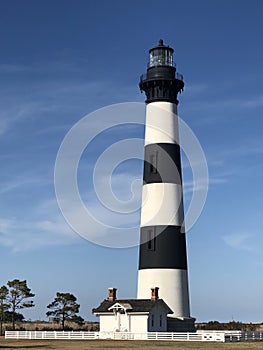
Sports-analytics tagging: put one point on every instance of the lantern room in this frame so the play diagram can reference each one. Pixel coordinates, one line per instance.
(161, 55)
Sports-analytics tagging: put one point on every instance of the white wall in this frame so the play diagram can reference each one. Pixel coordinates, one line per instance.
(139, 323)
(107, 323)
(124, 323)
(135, 323)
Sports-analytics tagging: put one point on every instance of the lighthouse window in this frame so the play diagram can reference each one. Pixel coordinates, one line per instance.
(151, 240)
(153, 163)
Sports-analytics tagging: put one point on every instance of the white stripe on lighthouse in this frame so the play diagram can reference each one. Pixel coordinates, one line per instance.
(161, 123)
(162, 204)
(173, 288)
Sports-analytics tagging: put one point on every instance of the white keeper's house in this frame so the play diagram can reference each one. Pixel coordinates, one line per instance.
(133, 315)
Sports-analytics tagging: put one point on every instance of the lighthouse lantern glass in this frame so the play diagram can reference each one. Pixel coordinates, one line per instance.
(161, 57)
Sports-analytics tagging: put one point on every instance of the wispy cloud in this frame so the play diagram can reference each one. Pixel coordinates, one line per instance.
(11, 114)
(228, 162)
(14, 68)
(58, 65)
(254, 102)
(222, 105)
(253, 147)
(33, 99)
(112, 211)
(22, 111)
(22, 182)
(241, 241)
(101, 222)
(22, 235)
(196, 89)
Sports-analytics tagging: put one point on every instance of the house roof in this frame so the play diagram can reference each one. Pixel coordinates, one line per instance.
(137, 305)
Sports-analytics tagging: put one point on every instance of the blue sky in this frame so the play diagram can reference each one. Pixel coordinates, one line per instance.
(63, 60)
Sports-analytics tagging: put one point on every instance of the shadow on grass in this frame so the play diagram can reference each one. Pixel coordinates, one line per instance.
(24, 346)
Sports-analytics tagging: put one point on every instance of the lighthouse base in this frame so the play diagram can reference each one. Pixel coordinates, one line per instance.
(182, 324)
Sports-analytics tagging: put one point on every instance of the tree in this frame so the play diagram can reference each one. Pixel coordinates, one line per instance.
(18, 296)
(4, 306)
(78, 320)
(64, 307)
(8, 316)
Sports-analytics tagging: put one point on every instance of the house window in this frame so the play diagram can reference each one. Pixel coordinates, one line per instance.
(153, 163)
(161, 320)
(151, 239)
(152, 320)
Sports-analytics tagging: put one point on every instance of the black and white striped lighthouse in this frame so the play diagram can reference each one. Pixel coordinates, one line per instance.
(163, 258)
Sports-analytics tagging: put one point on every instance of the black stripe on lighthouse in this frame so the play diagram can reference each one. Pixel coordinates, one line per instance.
(162, 163)
(162, 247)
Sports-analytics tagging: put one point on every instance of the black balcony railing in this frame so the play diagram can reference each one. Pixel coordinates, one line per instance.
(177, 76)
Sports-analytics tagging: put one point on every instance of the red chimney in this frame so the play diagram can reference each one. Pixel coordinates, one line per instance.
(154, 295)
(112, 294)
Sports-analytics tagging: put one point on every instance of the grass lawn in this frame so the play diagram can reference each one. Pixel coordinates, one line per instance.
(120, 344)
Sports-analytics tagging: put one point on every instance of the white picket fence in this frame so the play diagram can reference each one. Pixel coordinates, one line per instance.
(216, 336)
(203, 336)
(239, 335)
(211, 336)
(50, 335)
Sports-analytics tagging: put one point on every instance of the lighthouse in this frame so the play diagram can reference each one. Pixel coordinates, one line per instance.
(163, 256)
